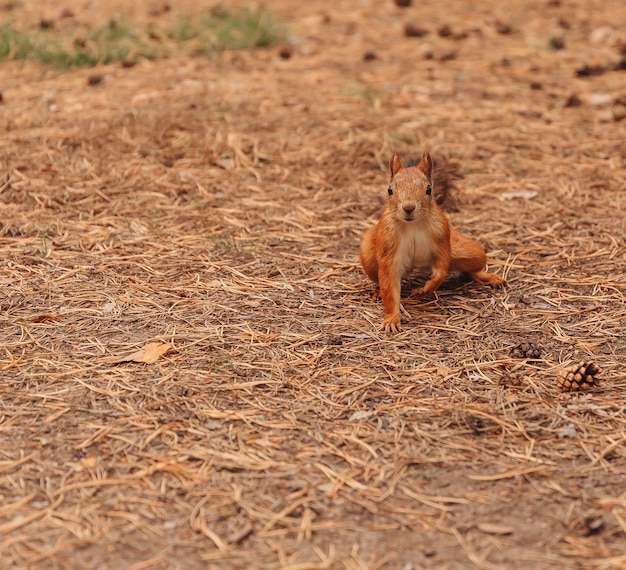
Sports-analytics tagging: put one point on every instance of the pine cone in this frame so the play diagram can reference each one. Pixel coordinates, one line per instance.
(527, 350)
(513, 378)
(581, 376)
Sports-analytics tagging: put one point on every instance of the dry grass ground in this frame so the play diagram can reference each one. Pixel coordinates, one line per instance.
(216, 205)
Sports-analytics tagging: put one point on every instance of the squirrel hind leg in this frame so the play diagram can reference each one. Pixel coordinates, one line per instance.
(485, 278)
(368, 256)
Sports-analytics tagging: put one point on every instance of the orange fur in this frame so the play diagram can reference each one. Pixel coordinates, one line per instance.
(414, 233)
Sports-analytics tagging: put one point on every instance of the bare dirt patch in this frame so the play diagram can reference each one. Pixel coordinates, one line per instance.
(216, 204)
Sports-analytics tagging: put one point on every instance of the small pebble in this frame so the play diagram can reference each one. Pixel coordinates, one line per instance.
(285, 52)
(95, 79)
(413, 31)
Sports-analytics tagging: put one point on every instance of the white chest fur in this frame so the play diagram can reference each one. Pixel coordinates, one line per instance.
(415, 249)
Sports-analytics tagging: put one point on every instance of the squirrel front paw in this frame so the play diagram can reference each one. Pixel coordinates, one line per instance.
(391, 324)
(418, 292)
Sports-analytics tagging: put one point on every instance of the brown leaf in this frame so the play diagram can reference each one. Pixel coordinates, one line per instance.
(45, 318)
(443, 371)
(493, 528)
(149, 353)
(226, 163)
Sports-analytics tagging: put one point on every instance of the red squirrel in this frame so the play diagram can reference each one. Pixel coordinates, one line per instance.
(414, 233)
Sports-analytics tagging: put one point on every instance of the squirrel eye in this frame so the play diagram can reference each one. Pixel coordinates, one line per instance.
(390, 190)
(429, 189)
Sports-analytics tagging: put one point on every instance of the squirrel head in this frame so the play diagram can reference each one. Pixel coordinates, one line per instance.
(410, 188)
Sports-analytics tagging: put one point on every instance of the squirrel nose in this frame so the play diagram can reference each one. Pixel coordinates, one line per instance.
(409, 207)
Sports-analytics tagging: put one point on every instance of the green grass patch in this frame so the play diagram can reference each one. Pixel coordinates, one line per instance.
(217, 30)
(111, 42)
(220, 29)
(14, 44)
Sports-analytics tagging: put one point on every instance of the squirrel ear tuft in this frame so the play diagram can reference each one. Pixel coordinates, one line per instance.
(426, 164)
(395, 164)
